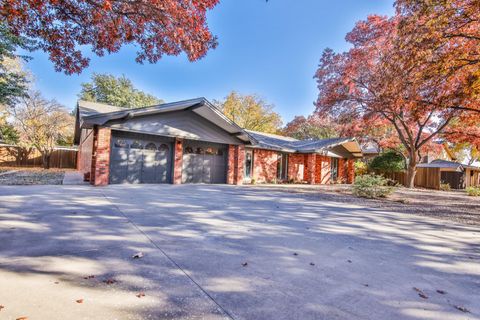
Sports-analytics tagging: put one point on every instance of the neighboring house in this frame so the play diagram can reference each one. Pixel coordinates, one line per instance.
(457, 175)
(192, 141)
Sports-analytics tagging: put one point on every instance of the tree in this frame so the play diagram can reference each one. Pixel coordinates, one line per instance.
(13, 82)
(380, 81)
(61, 28)
(250, 112)
(41, 124)
(120, 92)
(388, 162)
(313, 127)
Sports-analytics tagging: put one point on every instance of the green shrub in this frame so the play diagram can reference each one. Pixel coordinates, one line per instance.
(372, 186)
(473, 191)
(388, 162)
(445, 187)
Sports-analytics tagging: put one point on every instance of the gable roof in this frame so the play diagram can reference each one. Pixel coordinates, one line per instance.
(91, 114)
(287, 144)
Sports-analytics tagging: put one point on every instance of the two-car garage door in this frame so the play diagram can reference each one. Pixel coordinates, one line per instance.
(137, 158)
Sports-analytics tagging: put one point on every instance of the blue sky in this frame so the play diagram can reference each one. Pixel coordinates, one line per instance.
(268, 48)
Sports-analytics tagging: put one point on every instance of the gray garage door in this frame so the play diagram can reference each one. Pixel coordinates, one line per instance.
(140, 159)
(204, 162)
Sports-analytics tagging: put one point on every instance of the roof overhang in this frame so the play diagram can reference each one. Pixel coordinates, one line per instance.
(200, 106)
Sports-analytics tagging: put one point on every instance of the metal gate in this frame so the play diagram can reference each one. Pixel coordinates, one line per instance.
(140, 159)
(204, 162)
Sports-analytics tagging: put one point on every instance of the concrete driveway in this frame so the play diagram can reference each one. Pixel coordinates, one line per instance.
(226, 252)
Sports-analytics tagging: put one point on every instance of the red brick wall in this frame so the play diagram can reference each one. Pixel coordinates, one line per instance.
(85, 152)
(342, 172)
(310, 164)
(101, 157)
(236, 163)
(296, 167)
(177, 161)
(264, 165)
(350, 171)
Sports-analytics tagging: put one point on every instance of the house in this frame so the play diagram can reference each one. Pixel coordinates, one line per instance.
(192, 141)
(457, 175)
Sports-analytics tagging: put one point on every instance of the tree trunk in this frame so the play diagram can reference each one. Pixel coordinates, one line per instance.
(411, 172)
(46, 159)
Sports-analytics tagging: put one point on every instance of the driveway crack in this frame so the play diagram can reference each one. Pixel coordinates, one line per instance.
(169, 258)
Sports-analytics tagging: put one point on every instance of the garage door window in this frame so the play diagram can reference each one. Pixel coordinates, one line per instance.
(120, 143)
(188, 150)
(163, 148)
(151, 146)
(211, 151)
(136, 145)
(199, 151)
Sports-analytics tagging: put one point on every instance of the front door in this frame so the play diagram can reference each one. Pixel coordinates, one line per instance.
(282, 166)
(248, 164)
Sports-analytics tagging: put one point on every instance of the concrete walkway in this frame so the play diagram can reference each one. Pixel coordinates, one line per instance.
(226, 252)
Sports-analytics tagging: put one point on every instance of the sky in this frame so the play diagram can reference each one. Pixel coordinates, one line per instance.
(269, 48)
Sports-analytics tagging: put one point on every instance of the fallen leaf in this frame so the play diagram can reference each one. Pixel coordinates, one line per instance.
(245, 264)
(141, 294)
(312, 264)
(137, 255)
(1, 307)
(295, 254)
(22, 318)
(89, 277)
(79, 301)
(109, 281)
(56, 282)
(441, 291)
(365, 285)
(349, 261)
(421, 294)
(462, 308)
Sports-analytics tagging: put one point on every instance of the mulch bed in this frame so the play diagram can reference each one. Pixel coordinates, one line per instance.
(31, 176)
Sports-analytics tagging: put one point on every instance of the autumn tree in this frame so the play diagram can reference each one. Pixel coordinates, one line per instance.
(13, 82)
(374, 81)
(312, 127)
(41, 124)
(251, 112)
(120, 92)
(156, 28)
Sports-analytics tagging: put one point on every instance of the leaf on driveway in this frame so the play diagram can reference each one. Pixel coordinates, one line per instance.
(79, 301)
(441, 291)
(462, 308)
(421, 294)
(109, 281)
(244, 264)
(138, 255)
(22, 318)
(141, 294)
(1, 307)
(89, 277)
(295, 254)
(312, 264)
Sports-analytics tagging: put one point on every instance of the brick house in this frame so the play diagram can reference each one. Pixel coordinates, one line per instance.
(193, 142)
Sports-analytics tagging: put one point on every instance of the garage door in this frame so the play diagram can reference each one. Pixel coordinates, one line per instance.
(204, 162)
(140, 159)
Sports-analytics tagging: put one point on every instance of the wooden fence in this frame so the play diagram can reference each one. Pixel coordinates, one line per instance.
(428, 178)
(13, 156)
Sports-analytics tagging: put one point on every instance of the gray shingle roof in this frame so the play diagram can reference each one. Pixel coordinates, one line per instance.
(88, 108)
(445, 164)
(287, 144)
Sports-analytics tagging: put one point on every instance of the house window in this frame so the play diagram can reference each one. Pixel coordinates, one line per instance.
(248, 163)
(334, 169)
(282, 166)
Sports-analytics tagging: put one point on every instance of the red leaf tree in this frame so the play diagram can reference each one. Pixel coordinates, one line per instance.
(380, 80)
(156, 27)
